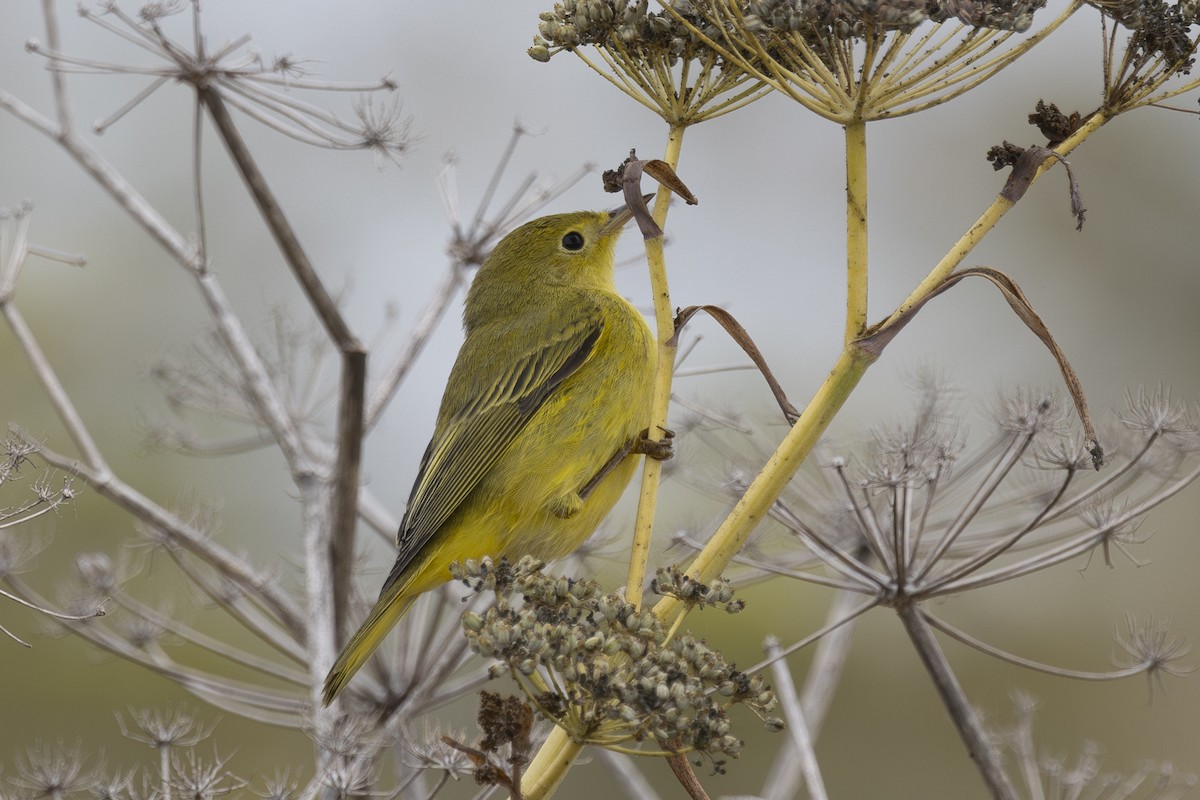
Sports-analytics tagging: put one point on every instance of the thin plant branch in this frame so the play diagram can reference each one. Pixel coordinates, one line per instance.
(965, 719)
(340, 541)
(793, 712)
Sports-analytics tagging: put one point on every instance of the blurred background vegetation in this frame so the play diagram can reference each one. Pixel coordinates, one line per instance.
(765, 241)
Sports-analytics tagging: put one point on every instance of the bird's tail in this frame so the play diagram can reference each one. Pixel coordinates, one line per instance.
(391, 606)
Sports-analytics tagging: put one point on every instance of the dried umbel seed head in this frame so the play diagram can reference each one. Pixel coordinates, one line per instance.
(846, 19)
(1159, 28)
(616, 667)
(96, 571)
(673, 582)
(640, 52)
(613, 24)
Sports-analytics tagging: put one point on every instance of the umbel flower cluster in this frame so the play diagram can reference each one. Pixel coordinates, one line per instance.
(686, 26)
(915, 516)
(854, 18)
(1159, 29)
(605, 671)
(631, 27)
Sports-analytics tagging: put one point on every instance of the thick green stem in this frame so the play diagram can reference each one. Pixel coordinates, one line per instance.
(779, 469)
(552, 762)
(856, 230)
(664, 318)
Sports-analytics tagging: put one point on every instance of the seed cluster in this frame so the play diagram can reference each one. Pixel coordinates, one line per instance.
(853, 19)
(612, 24)
(602, 669)
(672, 582)
(1160, 29)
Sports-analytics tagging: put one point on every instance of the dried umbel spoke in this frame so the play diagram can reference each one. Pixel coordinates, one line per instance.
(658, 58)
(859, 60)
(27, 490)
(15, 249)
(206, 382)
(254, 84)
(921, 514)
(606, 672)
(938, 517)
(1052, 775)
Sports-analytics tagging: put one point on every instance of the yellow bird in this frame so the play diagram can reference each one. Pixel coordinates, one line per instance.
(550, 393)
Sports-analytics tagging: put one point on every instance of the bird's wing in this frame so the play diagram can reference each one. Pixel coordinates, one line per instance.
(501, 399)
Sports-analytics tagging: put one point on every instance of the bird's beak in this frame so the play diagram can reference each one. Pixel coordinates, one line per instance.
(619, 216)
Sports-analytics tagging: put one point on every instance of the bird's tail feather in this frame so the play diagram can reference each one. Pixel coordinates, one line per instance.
(388, 610)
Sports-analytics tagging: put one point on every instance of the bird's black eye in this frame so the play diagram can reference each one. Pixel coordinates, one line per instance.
(573, 241)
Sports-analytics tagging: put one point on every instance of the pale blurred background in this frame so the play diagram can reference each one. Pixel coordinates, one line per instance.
(766, 242)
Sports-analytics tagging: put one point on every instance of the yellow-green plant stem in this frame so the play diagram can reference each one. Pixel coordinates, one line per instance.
(664, 319)
(550, 765)
(851, 365)
(552, 762)
(988, 220)
(856, 229)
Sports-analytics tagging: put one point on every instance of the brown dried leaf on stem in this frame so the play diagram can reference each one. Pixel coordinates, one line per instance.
(682, 769)
(739, 335)
(627, 178)
(1025, 163)
(878, 338)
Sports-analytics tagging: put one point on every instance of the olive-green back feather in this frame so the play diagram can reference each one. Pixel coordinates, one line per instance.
(467, 444)
(532, 320)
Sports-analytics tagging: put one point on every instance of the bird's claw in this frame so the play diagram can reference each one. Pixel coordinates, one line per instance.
(658, 449)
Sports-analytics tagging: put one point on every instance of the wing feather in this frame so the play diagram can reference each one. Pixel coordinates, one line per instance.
(470, 441)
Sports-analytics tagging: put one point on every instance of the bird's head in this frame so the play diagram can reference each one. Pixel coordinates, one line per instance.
(574, 249)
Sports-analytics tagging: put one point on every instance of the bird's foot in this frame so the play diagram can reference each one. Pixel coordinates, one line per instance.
(658, 449)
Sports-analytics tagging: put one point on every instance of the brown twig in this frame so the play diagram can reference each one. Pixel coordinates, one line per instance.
(354, 357)
(684, 773)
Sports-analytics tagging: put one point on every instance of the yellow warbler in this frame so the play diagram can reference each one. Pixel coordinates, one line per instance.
(550, 392)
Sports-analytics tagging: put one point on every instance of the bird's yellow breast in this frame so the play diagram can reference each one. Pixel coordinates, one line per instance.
(596, 412)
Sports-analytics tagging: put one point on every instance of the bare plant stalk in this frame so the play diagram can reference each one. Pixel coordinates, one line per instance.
(824, 675)
(856, 230)
(262, 396)
(338, 561)
(664, 318)
(970, 730)
(63, 406)
(805, 756)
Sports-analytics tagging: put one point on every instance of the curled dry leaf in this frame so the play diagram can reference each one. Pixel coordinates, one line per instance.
(627, 178)
(739, 335)
(879, 337)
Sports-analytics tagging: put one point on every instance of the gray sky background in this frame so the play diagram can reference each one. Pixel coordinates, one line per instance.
(766, 241)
